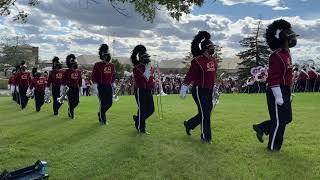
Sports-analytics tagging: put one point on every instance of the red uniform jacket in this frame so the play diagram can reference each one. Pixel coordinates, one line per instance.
(72, 78)
(202, 72)
(312, 74)
(12, 80)
(23, 79)
(55, 77)
(38, 84)
(140, 80)
(103, 73)
(280, 70)
(303, 76)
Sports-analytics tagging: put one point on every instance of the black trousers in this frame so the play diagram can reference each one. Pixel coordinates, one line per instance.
(73, 100)
(88, 91)
(55, 95)
(84, 91)
(311, 84)
(17, 95)
(145, 104)
(251, 88)
(105, 97)
(23, 96)
(317, 86)
(39, 99)
(203, 98)
(262, 86)
(14, 96)
(280, 116)
(302, 85)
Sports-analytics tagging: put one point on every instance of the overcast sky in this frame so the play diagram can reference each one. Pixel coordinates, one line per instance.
(78, 27)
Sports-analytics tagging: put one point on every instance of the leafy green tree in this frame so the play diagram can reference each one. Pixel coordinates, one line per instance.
(14, 55)
(147, 8)
(128, 67)
(119, 68)
(6, 5)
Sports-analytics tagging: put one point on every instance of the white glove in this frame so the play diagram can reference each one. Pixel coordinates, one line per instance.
(17, 89)
(9, 87)
(46, 91)
(278, 95)
(95, 89)
(183, 91)
(12, 88)
(147, 71)
(62, 88)
(292, 96)
(113, 85)
(29, 93)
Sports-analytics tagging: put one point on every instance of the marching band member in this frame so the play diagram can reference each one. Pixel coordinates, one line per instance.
(12, 85)
(251, 84)
(202, 74)
(23, 81)
(144, 83)
(302, 80)
(55, 80)
(71, 84)
(312, 79)
(317, 87)
(103, 77)
(16, 92)
(37, 87)
(280, 38)
(295, 79)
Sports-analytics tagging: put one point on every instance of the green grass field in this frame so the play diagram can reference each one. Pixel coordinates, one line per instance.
(82, 149)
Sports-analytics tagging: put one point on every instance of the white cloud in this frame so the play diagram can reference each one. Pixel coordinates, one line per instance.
(278, 8)
(275, 4)
(264, 2)
(60, 29)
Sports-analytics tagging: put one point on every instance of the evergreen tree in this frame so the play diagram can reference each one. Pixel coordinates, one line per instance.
(119, 68)
(256, 54)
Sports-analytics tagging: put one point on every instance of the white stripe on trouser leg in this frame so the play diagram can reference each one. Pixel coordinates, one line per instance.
(275, 131)
(139, 107)
(202, 118)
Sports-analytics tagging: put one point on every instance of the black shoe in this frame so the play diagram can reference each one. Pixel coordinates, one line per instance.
(71, 115)
(209, 141)
(143, 131)
(259, 133)
(274, 149)
(188, 131)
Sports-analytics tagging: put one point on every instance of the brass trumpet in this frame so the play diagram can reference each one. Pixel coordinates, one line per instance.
(30, 93)
(47, 99)
(115, 96)
(63, 98)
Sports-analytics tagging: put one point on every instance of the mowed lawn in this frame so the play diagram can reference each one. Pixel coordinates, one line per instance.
(82, 149)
